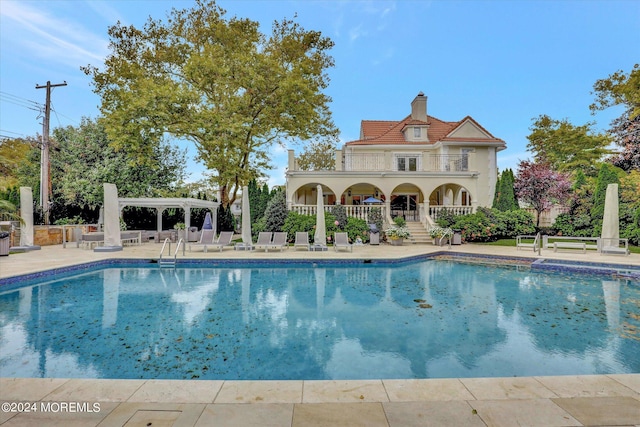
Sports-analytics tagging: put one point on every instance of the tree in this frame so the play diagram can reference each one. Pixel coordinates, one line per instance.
(606, 175)
(505, 198)
(622, 89)
(318, 156)
(566, 147)
(619, 89)
(626, 134)
(13, 152)
(220, 83)
(276, 212)
(540, 186)
(82, 160)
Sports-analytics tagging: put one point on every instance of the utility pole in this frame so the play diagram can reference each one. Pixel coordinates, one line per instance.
(45, 168)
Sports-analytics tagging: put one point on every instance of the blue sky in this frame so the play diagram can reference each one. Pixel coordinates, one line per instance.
(501, 62)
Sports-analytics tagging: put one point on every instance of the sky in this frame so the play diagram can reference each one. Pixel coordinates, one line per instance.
(501, 62)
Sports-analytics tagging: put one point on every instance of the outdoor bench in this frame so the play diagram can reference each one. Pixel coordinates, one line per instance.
(570, 245)
(570, 242)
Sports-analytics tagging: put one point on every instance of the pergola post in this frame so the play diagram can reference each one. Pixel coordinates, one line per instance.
(159, 211)
(187, 219)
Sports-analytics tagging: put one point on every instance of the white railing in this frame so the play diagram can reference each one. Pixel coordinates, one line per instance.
(354, 211)
(365, 162)
(447, 163)
(436, 211)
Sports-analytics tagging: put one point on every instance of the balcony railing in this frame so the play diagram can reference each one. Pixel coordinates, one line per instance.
(355, 211)
(364, 162)
(371, 162)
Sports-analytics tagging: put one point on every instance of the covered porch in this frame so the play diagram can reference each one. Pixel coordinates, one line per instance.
(405, 200)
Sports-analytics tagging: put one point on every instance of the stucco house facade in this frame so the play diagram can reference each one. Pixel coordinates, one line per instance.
(414, 166)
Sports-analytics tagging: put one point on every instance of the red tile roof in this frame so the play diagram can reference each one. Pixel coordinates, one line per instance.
(385, 132)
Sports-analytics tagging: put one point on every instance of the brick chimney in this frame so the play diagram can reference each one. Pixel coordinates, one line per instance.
(419, 108)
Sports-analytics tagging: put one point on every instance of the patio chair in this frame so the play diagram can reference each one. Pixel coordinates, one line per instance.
(264, 240)
(342, 242)
(206, 239)
(223, 240)
(302, 240)
(279, 241)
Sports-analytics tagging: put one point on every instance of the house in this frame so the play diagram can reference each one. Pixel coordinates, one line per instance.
(415, 166)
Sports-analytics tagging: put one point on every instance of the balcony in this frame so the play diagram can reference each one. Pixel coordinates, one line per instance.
(373, 162)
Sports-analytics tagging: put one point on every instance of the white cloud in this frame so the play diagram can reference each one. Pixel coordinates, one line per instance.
(356, 32)
(44, 36)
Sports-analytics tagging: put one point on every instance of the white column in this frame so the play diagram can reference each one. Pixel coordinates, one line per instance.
(159, 218)
(26, 213)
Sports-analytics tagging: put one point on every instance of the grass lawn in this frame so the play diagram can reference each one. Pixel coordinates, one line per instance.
(512, 242)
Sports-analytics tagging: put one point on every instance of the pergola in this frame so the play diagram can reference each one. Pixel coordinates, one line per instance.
(162, 203)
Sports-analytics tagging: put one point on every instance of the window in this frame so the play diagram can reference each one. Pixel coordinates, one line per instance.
(407, 162)
(465, 158)
(417, 132)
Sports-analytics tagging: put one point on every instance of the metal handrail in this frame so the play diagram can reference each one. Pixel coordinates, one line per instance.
(167, 240)
(175, 254)
(539, 244)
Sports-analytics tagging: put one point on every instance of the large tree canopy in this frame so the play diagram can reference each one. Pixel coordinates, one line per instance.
(218, 82)
(82, 160)
(622, 89)
(566, 147)
(619, 88)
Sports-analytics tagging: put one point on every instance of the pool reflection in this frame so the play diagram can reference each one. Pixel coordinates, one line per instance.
(418, 320)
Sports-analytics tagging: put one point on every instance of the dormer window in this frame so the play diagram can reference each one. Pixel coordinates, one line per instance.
(417, 132)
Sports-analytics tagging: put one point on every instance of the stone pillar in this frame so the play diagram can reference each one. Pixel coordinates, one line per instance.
(26, 213)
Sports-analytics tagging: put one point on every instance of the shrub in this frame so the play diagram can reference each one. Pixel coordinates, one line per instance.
(357, 227)
(491, 224)
(446, 217)
(340, 214)
(296, 222)
(399, 221)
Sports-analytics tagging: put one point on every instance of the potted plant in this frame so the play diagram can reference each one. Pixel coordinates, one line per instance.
(396, 235)
(180, 226)
(440, 235)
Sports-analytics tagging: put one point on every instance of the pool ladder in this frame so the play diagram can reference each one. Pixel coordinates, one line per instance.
(168, 262)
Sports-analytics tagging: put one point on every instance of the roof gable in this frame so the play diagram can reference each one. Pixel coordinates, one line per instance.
(469, 128)
(387, 132)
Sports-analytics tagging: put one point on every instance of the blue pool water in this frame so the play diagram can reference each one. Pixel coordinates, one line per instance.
(423, 319)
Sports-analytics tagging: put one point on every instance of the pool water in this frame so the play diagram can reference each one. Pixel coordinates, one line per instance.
(424, 319)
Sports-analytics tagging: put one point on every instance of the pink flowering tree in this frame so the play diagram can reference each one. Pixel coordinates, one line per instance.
(540, 186)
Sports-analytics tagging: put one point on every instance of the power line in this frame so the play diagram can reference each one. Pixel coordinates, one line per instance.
(20, 101)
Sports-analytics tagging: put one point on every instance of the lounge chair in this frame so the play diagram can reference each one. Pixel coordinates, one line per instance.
(279, 241)
(302, 240)
(264, 240)
(223, 240)
(342, 242)
(206, 239)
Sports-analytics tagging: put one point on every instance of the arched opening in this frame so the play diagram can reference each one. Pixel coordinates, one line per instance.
(306, 195)
(405, 202)
(452, 197)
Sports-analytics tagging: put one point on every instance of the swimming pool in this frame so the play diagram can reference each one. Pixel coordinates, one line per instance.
(418, 319)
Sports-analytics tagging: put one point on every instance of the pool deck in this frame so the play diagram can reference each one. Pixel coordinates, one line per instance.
(602, 400)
